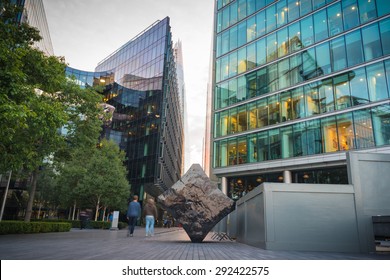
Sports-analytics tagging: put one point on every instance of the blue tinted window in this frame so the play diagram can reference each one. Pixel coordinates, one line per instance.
(372, 43)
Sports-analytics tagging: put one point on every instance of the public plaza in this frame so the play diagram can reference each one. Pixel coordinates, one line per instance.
(166, 244)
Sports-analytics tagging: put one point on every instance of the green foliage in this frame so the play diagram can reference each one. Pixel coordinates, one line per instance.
(11, 227)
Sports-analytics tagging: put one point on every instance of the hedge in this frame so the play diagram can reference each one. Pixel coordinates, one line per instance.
(11, 227)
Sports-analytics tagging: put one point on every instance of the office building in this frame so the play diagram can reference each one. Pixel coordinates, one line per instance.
(296, 84)
(144, 88)
(34, 14)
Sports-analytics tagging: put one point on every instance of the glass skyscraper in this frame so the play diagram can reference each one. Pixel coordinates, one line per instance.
(297, 84)
(34, 14)
(142, 80)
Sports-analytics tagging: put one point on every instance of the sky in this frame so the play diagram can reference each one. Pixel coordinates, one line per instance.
(85, 32)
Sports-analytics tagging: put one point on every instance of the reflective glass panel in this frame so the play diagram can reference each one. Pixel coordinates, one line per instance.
(321, 25)
(299, 139)
(341, 92)
(358, 86)
(367, 10)
(376, 80)
(381, 124)
(354, 45)
(263, 146)
(350, 12)
(385, 35)
(314, 137)
(287, 144)
(329, 134)
(371, 41)
(364, 137)
(274, 144)
(345, 131)
(338, 55)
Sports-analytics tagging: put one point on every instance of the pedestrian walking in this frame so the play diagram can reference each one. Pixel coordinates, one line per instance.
(150, 212)
(133, 214)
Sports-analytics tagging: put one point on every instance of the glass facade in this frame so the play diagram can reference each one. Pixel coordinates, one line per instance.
(141, 83)
(34, 15)
(298, 79)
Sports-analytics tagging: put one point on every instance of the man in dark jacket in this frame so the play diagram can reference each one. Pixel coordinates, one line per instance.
(133, 213)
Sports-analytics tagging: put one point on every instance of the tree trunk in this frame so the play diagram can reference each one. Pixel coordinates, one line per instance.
(97, 209)
(74, 210)
(30, 202)
(104, 214)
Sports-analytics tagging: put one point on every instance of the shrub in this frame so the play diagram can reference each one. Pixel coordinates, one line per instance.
(12, 227)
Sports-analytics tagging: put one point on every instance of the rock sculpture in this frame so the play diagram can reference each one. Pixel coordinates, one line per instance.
(196, 203)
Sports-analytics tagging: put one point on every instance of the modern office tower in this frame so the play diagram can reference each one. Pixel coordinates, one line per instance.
(297, 84)
(142, 85)
(34, 15)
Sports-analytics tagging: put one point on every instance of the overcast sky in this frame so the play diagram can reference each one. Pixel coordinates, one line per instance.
(87, 31)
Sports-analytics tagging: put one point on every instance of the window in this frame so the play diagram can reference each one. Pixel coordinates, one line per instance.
(241, 88)
(233, 13)
(299, 139)
(293, 10)
(314, 137)
(271, 18)
(312, 99)
(364, 137)
(381, 123)
(224, 67)
(358, 86)
(251, 56)
(252, 116)
(272, 46)
(274, 109)
(241, 9)
(286, 106)
(233, 38)
(385, 35)
(224, 121)
(241, 34)
(337, 50)
(298, 103)
(232, 150)
(305, 6)
(294, 42)
(286, 136)
(260, 52)
(345, 131)
(282, 42)
(251, 29)
(233, 64)
(242, 119)
(383, 7)
(274, 144)
(371, 41)
(233, 91)
(262, 113)
(341, 91)
(335, 20)
(377, 82)
(233, 124)
(251, 83)
(353, 43)
(284, 73)
(307, 31)
(326, 96)
(367, 10)
(350, 12)
(242, 151)
(242, 63)
(260, 24)
(329, 134)
(323, 58)
(263, 140)
(281, 13)
(252, 149)
(321, 25)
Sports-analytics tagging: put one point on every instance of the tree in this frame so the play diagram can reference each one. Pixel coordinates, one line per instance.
(36, 99)
(105, 184)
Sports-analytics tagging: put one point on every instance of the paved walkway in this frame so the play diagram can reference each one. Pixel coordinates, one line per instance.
(167, 244)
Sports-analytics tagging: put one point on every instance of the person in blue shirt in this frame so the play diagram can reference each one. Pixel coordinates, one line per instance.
(133, 214)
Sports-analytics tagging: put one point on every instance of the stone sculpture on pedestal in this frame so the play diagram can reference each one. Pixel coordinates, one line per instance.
(196, 203)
